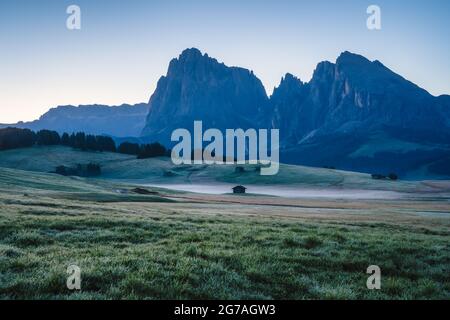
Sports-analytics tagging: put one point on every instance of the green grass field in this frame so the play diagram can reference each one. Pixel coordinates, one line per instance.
(172, 245)
(127, 168)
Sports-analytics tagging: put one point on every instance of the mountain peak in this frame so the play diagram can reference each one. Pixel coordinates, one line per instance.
(199, 87)
(288, 83)
(349, 57)
(191, 53)
(289, 77)
(324, 69)
(193, 61)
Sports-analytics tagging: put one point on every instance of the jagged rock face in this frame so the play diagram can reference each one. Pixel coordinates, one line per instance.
(371, 95)
(285, 102)
(198, 87)
(359, 115)
(355, 95)
(354, 114)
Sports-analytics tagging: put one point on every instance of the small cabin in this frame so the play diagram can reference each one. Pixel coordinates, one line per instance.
(239, 189)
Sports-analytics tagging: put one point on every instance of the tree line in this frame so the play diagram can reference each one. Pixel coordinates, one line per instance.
(143, 151)
(14, 138)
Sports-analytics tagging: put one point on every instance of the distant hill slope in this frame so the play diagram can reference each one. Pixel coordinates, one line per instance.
(25, 187)
(119, 167)
(119, 121)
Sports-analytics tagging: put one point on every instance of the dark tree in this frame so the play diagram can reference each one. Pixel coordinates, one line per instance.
(129, 148)
(91, 143)
(62, 170)
(152, 150)
(47, 138)
(393, 176)
(12, 138)
(80, 141)
(93, 169)
(105, 144)
(81, 170)
(65, 139)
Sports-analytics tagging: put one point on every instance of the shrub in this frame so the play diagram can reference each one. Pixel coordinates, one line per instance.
(81, 170)
(393, 176)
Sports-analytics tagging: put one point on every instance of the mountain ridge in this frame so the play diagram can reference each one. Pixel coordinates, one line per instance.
(93, 119)
(347, 109)
(330, 120)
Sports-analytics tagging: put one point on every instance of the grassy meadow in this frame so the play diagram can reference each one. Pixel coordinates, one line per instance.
(174, 245)
(120, 167)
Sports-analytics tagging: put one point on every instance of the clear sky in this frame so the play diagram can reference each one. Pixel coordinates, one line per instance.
(123, 47)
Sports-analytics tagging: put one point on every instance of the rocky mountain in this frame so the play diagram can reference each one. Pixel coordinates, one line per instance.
(357, 114)
(354, 114)
(355, 94)
(198, 87)
(120, 121)
(285, 102)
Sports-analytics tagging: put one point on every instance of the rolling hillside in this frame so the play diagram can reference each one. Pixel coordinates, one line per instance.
(132, 246)
(125, 168)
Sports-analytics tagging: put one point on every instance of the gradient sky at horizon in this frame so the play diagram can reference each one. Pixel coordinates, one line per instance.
(125, 46)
